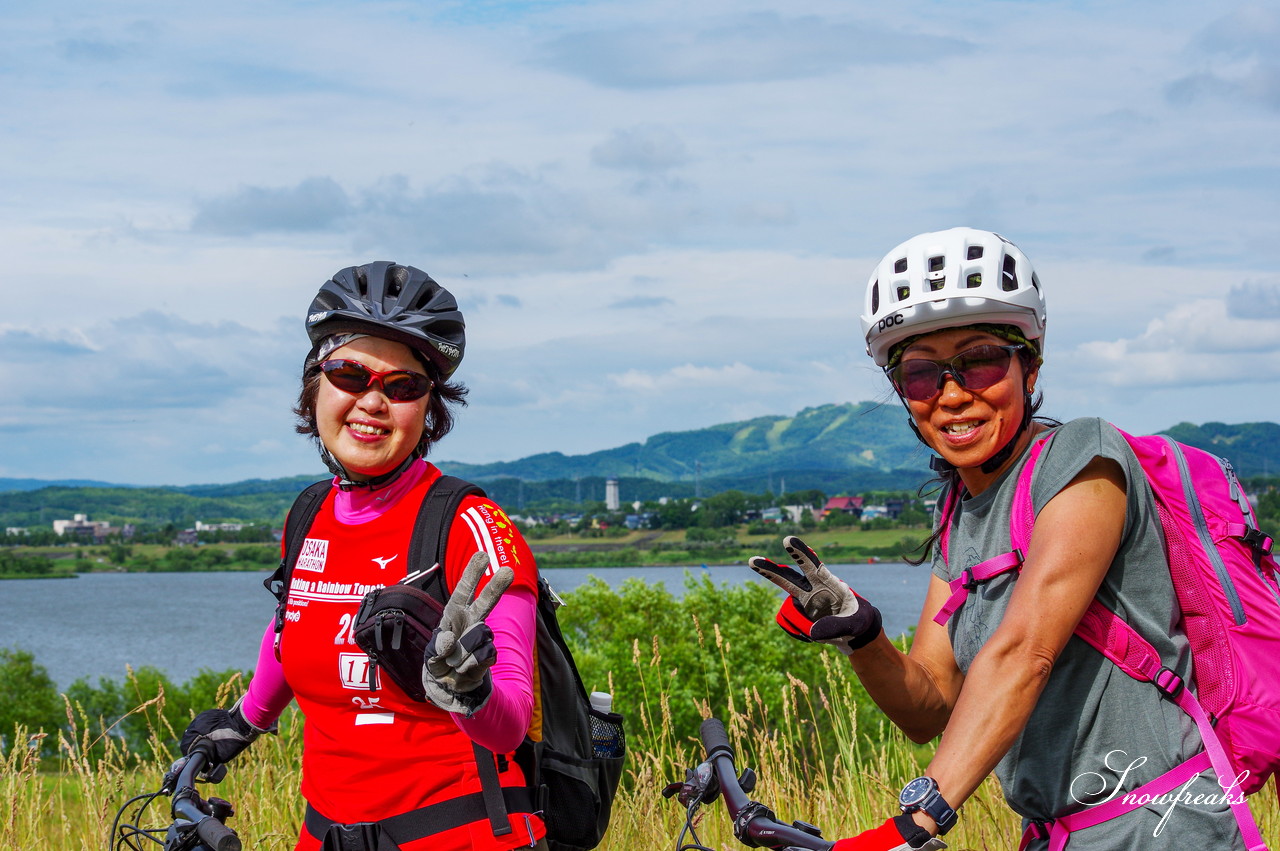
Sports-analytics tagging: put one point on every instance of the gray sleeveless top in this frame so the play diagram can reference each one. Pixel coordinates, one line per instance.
(1095, 733)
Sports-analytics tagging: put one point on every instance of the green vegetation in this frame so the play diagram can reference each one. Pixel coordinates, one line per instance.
(15, 565)
(796, 713)
(1250, 447)
(66, 561)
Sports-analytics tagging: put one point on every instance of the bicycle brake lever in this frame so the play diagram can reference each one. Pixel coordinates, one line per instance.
(700, 785)
(171, 776)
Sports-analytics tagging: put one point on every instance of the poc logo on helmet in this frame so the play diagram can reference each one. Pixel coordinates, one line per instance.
(316, 317)
(889, 322)
(448, 350)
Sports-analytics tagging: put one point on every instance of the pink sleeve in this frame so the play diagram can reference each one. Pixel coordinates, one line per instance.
(501, 724)
(268, 693)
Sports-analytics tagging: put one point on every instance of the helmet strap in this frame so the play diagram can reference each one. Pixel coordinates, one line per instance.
(346, 483)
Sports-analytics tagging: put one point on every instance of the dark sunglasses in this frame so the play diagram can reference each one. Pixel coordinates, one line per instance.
(399, 385)
(973, 369)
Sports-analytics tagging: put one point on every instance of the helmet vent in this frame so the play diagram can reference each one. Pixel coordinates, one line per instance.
(875, 296)
(1009, 280)
(974, 280)
(975, 252)
(904, 292)
(1035, 281)
(396, 280)
(936, 263)
(362, 282)
(900, 266)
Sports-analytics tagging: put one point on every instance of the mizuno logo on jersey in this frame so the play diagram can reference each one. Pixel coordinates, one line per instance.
(383, 562)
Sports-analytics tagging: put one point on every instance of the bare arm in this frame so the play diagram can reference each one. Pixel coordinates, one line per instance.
(916, 690)
(1076, 536)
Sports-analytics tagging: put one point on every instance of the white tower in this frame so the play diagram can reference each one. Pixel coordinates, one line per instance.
(611, 501)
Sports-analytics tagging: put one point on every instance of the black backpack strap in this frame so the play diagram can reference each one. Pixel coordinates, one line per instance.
(427, 547)
(431, 819)
(495, 805)
(431, 530)
(301, 516)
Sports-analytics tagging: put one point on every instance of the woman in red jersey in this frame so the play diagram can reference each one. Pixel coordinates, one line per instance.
(380, 770)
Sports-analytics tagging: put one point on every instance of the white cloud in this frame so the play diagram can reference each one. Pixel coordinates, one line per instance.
(315, 204)
(687, 376)
(642, 149)
(744, 48)
(1238, 52)
(657, 215)
(1196, 343)
(1254, 300)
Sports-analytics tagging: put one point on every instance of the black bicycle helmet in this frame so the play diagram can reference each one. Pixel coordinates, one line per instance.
(397, 302)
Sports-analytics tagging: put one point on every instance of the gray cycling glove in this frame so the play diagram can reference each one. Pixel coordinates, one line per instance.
(819, 606)
(455, 672)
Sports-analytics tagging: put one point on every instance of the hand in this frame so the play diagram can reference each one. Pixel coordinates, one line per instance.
(221, 733)
(899, 833)
(455, 672)
(820, 606)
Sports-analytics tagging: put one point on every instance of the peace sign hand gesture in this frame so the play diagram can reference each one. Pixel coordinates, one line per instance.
(455, 671)
(819, 605)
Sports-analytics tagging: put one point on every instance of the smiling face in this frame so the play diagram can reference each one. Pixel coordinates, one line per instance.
(367, 433)
(965, 426)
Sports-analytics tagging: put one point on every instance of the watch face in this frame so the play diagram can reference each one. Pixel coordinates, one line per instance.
(915, 792)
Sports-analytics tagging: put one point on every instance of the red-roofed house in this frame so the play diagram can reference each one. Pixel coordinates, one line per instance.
(844, 505)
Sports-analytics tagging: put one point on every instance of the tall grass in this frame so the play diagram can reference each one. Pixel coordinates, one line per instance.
(844, 779)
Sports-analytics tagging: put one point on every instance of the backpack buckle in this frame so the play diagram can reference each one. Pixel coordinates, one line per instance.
(1258, 540)
(1169, 683)
(970, 582)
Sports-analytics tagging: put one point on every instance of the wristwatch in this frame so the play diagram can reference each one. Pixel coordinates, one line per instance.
(922, 794)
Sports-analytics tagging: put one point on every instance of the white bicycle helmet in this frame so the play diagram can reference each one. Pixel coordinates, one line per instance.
(948, 278)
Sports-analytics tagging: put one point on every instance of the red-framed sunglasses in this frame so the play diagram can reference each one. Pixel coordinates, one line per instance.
(398, 385)
(920, 379)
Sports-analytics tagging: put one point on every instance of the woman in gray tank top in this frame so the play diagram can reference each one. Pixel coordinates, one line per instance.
(957, 321)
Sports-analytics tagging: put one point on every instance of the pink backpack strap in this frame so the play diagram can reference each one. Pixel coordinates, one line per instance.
(970, 579)
(1021, 521)
(1133, 654)
(1058, 831)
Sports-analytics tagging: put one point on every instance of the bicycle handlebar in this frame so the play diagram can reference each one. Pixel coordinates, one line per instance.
(187, 805)
(754, 824)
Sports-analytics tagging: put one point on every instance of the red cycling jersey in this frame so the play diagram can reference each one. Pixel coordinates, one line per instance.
(371, 754)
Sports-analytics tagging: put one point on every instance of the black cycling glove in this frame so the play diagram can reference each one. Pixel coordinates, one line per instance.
(221, 733)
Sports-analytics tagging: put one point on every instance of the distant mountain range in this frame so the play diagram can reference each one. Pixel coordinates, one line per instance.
(1252, 448)
(852, 437)
(848, 448)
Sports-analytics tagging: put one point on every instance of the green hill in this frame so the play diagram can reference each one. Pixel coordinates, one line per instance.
(856, 437)
(837, 449)
(1252, 448)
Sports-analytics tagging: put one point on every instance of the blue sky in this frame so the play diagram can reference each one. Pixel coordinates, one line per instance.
(656, 215)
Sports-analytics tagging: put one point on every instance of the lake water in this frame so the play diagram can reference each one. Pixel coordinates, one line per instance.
(95, 625)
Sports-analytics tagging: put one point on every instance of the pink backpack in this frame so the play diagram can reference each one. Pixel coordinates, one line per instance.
(1228, 587)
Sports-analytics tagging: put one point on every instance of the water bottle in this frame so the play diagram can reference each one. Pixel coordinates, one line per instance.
(606, 736)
